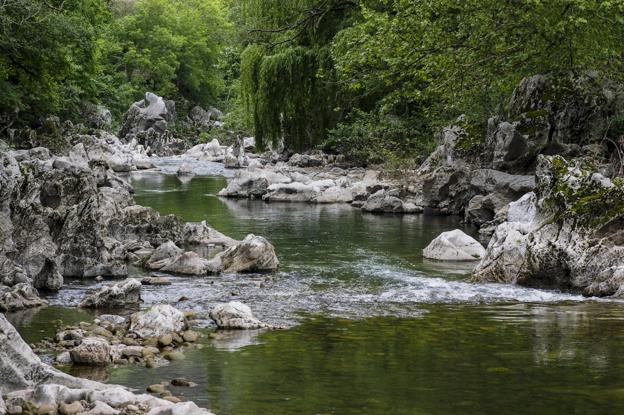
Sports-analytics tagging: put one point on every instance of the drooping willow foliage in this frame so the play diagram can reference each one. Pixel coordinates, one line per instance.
(287, 72)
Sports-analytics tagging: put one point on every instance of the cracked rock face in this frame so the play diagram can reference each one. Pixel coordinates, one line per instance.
(567, 235)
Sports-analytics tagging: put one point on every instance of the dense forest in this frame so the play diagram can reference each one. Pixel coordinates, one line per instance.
(370, 79)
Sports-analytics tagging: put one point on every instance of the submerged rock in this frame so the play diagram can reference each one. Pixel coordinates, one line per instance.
(235, 315)
(567, 235)
(454, 246)
(122, 294)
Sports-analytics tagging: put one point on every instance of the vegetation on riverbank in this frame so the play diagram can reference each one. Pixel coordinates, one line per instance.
(369, 79)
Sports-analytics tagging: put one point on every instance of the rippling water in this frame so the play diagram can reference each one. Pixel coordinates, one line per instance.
(375, 328)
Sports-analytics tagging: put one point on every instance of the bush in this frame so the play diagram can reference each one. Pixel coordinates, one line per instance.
(376, 138)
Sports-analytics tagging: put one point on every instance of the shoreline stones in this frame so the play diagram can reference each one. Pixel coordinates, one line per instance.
(454, 246)
(151, 337)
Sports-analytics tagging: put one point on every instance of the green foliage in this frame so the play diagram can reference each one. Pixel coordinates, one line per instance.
(373, 138)
(168, 47)
(48, 55)
(468, 55)
(287, 72)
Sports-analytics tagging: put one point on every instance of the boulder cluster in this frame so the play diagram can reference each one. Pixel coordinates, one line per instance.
(73, 216)
(31, 386)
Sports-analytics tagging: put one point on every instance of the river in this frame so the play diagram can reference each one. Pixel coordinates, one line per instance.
(372, 328)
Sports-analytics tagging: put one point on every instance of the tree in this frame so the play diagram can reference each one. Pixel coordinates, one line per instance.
(468, 54)
(48, 59)
(170, 47)
(287, 72)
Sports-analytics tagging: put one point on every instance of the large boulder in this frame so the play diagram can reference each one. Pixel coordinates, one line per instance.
(123, 294)
(454, 246)
(158, 320)
(568, 235)
(235, 315)
(147, 121)
(253, 254)
(553, 114)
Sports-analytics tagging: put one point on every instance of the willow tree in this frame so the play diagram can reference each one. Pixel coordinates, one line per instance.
(287, 72)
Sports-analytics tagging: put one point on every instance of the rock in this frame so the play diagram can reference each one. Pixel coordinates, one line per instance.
(235, 315)
(92, 351)
(18, 297)
(165, 340)
(185, 169)
(189, 263)
(183, 408)
(567, 235)
(183, 383)
(381, 202)
(73, 408)
(100, 408)
(253, 254)
(553, 114)
(454, 246)
(160, 281)
(96, 116)
(158, 320)
(122, 294)
(156, 388)
(63, 358)
(151, 113)
(112, 319)
(114, 397)
(163, 255)
(174, 355)
(201, 119)
(212, 151)
(25, 379)
(190, 336)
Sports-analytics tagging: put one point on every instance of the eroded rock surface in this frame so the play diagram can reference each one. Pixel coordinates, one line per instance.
(568, 234)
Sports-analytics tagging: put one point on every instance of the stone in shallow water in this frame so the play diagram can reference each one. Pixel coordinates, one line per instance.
(158, 320)
(454, 246)
(118, 295)
(253, 254)
(92, 351)
(235, 315)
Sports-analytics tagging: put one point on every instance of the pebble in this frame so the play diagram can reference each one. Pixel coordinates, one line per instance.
(172, 399)
(181, 382)
(165, 340)
(190, 336)
(156, 388)
(171, 356)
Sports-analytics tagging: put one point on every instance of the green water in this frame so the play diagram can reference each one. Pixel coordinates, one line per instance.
(375, 329)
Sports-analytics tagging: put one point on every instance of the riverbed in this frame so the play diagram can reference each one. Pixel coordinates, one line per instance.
(371, 327)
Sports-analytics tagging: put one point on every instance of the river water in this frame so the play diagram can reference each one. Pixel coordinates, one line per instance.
(372, 327)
